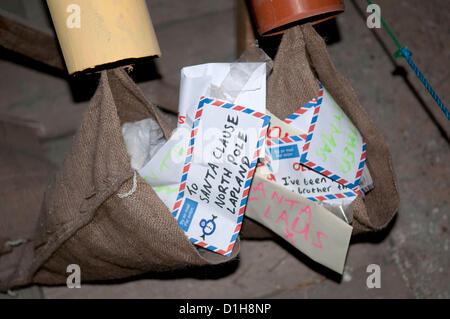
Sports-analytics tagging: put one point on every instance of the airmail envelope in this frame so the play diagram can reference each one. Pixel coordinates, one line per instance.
(288, 172)
(224, 146)
(333, 147)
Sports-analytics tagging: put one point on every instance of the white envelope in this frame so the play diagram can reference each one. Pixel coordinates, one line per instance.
(245, 84)
(225, 144)
(334, 146)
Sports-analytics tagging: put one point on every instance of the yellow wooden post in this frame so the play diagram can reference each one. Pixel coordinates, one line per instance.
(97, 32)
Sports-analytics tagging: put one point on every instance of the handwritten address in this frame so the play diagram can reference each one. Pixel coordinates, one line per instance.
(228, 185)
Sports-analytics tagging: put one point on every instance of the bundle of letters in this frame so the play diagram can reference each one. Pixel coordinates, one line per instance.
(231, 159)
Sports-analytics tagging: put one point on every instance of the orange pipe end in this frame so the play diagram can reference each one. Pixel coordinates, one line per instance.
(274, 16)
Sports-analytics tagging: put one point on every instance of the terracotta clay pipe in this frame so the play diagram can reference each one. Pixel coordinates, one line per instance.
(273, 16)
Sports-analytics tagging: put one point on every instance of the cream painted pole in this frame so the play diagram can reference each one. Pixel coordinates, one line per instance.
(96, 32)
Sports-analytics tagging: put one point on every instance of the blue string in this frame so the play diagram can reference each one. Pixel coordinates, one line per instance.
(407, 55)
(404, 52)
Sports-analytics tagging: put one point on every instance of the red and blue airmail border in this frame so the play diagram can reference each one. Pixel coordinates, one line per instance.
(292, 144)
(340, 143)
(305, 108)
(184, 207)
(368, 188)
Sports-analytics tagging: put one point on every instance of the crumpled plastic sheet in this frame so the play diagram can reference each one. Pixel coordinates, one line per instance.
(143, 139)
(240, 73)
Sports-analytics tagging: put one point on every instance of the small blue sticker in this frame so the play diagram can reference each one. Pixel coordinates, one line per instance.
(283, 152)
(187, 213)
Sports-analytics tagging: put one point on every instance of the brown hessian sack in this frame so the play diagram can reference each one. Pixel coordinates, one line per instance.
(301, 59)
(98, 213)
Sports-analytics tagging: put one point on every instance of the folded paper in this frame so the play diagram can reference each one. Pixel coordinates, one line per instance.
(224, 146)
(310, 228)
(366, 183)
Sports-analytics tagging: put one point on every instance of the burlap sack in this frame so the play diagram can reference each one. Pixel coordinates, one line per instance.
(302, 57)
(84, 221)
